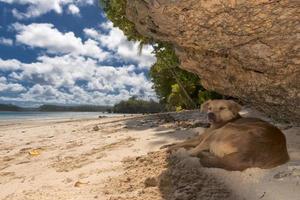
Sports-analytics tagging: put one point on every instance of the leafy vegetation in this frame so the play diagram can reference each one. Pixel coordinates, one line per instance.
(134, 105)
(116, 12)
(176, 88)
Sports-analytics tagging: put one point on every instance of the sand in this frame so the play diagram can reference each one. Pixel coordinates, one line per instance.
(120, 158)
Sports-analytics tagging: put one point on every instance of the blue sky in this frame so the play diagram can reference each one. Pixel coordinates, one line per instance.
(67, 52)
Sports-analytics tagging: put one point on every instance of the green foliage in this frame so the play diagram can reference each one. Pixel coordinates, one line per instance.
(165, 54)
(176, 88)
(167, 78)
(178, 108)
(116, 12)
(175, 97)
(134, 105)
(206, 95)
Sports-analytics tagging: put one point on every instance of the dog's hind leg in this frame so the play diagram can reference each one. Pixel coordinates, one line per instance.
(231, 162)
(186, 144)
(194, 142)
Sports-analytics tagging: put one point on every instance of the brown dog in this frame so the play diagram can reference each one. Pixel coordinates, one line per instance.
(236, 143)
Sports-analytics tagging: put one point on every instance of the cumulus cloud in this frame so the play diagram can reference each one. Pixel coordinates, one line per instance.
(73, 79)
(101, 67)
(36, 8)
(5, 86)
(73, 9)
(44, 35)
(117, 42)
(90, 32)
(6, 41)
(11, 87)
(9, 65)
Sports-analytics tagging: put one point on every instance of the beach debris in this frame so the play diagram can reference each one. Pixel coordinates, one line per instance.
(150, 182)
(262, 196)
(79, 183)
(296, 172)
(96, 128)
(168, 118)
(293, 171)
(34, 152)
(283, 126)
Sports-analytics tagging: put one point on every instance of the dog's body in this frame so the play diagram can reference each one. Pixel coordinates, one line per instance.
(236, 143)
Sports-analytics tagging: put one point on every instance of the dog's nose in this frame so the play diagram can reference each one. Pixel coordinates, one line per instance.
(211, 116)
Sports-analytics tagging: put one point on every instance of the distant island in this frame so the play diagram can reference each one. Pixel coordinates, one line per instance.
(132, 105)
(79, 108)
(10, 107)
(56, 108)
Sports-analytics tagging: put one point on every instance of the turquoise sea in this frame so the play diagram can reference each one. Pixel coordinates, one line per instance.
(12, 116)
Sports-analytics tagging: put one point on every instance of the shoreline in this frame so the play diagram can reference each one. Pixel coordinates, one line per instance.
(47, 116)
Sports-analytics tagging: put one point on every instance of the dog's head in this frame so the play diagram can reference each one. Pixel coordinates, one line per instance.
(220, 111)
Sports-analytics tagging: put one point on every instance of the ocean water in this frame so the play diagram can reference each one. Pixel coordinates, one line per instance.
(12, 116)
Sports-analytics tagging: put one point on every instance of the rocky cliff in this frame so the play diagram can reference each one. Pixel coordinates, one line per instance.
(246, 49)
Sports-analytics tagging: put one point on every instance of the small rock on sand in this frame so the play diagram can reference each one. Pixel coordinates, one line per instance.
(150, 182)
(96, 128)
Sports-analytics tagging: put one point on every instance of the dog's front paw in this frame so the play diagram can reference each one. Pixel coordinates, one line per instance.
(166, 146)
(193, 152)
(169, 147)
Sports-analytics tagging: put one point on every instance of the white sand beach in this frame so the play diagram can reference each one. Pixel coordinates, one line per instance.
(119, 158)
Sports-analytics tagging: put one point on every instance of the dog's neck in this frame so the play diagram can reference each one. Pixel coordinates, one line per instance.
(219, 125)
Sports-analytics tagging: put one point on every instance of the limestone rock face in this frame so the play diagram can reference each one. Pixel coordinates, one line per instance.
(249, 49)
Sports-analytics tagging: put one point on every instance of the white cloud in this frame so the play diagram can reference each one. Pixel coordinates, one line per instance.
(45, 93)
(71, 69)
(36, 8)
(3, 79)
(9, 65)
(74, 79)
(73, 9)
(90, 32)
(10, 87)
(6, 41)
(46, 36)
(116, 41)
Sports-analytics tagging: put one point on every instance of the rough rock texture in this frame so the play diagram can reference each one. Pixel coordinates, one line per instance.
(246, 49)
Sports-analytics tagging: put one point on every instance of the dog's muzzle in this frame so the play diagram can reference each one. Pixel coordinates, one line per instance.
(211, 117)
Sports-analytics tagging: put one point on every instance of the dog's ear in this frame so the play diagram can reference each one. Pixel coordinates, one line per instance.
(204, 106)
(235, 107)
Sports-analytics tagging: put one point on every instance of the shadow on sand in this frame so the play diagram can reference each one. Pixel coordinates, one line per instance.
(162, 176)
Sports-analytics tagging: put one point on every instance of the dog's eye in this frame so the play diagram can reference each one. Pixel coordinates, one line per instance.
(222, 108)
